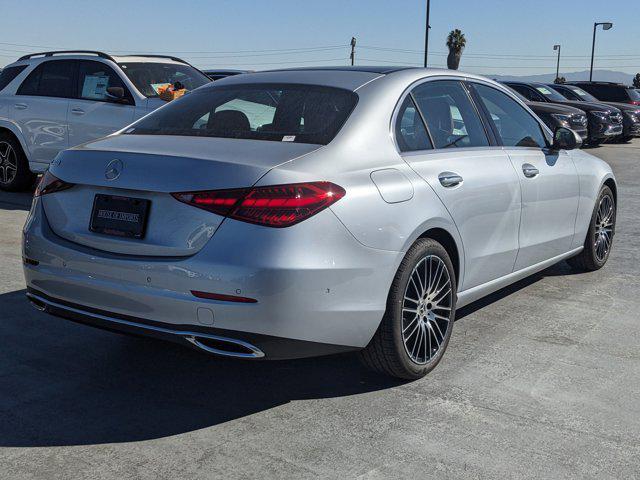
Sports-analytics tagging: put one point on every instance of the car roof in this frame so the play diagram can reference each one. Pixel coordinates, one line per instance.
(349, 68)
(346, 77)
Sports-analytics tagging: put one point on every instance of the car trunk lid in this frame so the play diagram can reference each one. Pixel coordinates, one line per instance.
(150, 168)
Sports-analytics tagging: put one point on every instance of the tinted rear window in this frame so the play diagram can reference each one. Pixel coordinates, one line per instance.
(282, 113)
(9, 73)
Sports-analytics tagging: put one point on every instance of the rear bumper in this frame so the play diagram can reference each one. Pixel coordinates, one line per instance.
(210, 340)
(312, 284)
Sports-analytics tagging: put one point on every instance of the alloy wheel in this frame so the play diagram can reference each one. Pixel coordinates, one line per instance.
(8, 163)
(603, 232)
(426, 309)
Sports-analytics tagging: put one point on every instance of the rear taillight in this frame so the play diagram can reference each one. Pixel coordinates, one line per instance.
(634, 102)
(49, 183)
(272, 206)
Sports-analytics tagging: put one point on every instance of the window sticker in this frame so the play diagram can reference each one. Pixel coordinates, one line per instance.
(289, 138)
(582, 93)
(544, 91)
(95, 87)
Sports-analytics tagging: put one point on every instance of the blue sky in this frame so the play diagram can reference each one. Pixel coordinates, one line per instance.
(503, 37)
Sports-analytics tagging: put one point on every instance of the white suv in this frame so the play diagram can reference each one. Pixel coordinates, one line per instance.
(51, 101)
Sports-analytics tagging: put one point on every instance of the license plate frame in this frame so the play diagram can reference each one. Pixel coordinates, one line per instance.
(118, 216)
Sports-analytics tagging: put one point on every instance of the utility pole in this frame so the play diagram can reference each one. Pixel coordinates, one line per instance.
(605, 26)
(426, 35)
(353, 50)
(557, 47)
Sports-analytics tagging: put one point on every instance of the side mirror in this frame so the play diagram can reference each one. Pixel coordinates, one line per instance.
(117, 95)
(565, 139)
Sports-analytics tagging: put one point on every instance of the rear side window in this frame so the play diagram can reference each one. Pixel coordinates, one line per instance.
(451, 118)
(50, 79)
(276, 112)
(411, 134)
(516, 126)
(9, 73)
(612, 93)
(94, 78)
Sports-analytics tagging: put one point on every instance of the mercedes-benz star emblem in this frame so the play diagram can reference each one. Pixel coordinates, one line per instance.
(114, 169)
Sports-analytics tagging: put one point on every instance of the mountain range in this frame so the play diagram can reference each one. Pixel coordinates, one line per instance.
(599, 75)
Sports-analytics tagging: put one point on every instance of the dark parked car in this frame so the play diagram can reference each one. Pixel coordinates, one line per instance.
(554, 116)
(604, 121)
(630, 112)
(220, 74)
(610, 91)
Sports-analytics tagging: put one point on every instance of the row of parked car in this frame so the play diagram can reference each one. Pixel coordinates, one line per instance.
(598, 111)
(51, 101)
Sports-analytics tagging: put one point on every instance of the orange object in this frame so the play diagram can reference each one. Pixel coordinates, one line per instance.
(168, 93)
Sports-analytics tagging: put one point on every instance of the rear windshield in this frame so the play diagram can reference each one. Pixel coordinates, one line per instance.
(281, 113)
(148, 76)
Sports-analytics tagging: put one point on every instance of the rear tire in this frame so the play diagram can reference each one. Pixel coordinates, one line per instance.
(602, 226)
(14, 167)
(416, 327)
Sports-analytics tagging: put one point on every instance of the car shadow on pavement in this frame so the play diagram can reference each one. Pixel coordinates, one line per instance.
(68, 384)
(562, 268)
(15, 200)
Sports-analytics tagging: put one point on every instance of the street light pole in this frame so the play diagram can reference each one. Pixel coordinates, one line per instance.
(605, 26)
(557, 47)
(426, 35)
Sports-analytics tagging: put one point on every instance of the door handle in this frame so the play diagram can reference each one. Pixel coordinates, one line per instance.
(449, 179)
(77, 111)
(20, 106)
(530, 171)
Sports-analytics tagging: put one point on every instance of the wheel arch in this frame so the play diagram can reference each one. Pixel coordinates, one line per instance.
(13, 130)
(611, 183)
(449, 243)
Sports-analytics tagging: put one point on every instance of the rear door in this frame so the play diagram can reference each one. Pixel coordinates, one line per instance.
(549, 179)
(474, 178)
(92, 114)
(40, 109)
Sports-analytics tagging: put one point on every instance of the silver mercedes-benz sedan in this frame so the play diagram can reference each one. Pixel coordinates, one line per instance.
(311, 211)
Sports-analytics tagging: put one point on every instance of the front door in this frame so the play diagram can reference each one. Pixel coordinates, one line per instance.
(548, 179)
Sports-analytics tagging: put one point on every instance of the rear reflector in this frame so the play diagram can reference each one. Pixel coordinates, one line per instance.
(271, 206)
(223, 298)
(49, 183)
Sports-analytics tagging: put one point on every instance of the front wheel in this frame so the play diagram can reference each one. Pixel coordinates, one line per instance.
(597, 245)
(416, 328)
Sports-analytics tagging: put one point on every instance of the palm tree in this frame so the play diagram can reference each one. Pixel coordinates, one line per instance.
(456, 43)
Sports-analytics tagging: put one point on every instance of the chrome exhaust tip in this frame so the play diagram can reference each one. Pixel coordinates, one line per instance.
(227, 347)
(37, 304)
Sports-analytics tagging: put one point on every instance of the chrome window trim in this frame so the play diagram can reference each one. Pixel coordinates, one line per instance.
(462, 79)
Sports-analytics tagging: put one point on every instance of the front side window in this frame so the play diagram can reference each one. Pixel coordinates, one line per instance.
(94, 78)
(9, 73)
(148, 77)
(451, 117)
(411, 134)
(515, 126)
(281, 112)
(50, 79)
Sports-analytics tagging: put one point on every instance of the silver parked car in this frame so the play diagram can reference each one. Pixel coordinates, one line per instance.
(311, 211)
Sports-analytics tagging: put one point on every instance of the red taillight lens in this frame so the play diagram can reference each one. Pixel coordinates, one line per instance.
(635, 102)
(272, 206)
(49, 183)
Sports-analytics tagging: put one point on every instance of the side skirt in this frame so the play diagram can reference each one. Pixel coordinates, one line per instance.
(476, 293)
